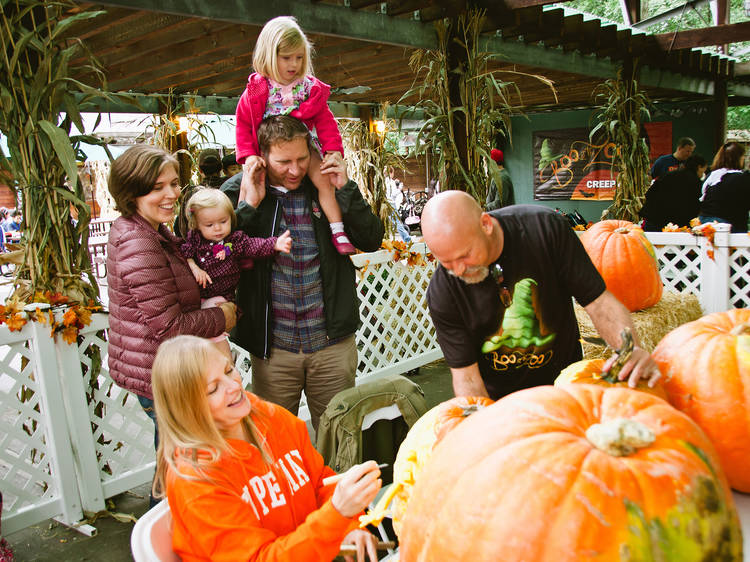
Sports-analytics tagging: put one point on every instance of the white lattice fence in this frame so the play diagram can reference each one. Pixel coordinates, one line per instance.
(397, 332)
(62, 454)
(679, 260)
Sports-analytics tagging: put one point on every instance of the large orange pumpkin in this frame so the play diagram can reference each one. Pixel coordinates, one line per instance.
(707, 364)
(415, 451)
(573, 474)
(626, 260)
(589, 371)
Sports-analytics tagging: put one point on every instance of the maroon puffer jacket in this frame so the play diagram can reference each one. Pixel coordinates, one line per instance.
(152, 297)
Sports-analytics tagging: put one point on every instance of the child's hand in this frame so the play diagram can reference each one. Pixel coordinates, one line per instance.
(201, 277)
(284, 243)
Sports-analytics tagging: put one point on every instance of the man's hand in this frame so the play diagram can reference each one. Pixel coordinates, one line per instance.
(640, 366)
(334, 167)
(610, 317)
(284, 243)
(253, 186)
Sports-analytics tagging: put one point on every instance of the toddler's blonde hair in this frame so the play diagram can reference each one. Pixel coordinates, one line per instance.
(281, 35)
(208, 198)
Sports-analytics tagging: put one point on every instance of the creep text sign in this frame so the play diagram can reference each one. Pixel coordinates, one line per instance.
(569, 165)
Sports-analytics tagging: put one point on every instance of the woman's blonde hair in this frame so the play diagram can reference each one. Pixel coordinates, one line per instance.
(208, 198)
(186, 428)
(281, 35)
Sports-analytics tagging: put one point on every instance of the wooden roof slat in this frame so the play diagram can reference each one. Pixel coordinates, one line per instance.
(705, 36)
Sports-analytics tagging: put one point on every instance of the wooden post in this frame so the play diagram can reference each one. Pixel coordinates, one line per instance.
(721, 101)
(457, 58)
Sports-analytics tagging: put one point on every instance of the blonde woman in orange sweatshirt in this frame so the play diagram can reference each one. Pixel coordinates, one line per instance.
(241, 476)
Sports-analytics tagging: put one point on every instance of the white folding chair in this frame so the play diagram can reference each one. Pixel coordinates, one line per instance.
(151, 539)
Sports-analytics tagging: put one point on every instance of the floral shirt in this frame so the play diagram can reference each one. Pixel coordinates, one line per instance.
(223, 260)
(282, 100)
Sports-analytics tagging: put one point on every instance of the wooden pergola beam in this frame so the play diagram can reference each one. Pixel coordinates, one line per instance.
(325, 19)
(705, 36)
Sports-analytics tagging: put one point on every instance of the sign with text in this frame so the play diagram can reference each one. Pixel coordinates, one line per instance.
(568, 165)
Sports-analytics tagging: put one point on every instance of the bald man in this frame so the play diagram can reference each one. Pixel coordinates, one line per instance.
(501, 297)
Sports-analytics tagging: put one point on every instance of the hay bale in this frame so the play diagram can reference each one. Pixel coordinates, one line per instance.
(652, 324)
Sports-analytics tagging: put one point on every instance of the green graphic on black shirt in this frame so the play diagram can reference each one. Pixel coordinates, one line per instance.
(521, 340)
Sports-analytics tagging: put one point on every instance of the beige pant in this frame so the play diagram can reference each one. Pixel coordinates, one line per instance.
(322, 374)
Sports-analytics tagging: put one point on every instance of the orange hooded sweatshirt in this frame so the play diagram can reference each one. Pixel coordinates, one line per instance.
(252, 511)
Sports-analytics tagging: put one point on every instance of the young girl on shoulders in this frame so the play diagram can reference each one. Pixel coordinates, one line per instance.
(216, 252)
(283, 84)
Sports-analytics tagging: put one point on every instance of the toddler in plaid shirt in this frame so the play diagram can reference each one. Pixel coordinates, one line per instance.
(216, 252)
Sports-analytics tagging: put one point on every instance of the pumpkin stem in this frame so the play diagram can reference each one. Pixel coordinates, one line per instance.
(741, 329)
(470, 409)
(621, 230)
(623, 355)
(620, 437)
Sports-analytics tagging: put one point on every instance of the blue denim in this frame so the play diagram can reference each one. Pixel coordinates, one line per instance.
(148, 406)
(403, 232)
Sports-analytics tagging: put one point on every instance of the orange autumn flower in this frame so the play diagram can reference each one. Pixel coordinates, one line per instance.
(70, 318)
(70, 334)
(39, 316)
(84, 316)
(15, 322)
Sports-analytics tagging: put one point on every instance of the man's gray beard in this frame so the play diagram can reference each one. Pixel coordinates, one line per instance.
(477, 274)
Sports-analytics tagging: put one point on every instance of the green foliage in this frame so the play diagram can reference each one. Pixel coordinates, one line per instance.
(37, 80)
(738, 117)
(485, 106)
(622, 107)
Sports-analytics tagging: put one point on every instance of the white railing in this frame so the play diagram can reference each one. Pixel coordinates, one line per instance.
(718, 273)
(63, 453)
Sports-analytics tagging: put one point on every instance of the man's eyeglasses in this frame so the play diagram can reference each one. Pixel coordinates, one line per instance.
(496, 270)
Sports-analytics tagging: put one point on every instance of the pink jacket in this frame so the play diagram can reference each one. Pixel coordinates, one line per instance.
(314, 112)
(153, 296)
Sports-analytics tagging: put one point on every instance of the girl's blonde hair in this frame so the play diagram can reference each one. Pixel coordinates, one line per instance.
(208, 198)
(186, 428)
(281, 35)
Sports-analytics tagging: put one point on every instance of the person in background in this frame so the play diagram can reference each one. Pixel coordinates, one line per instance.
(300, 312)
(726, 191)
(501, 301)
(242, 478)
(283, 84)
(672, 162)
(210, 166)
(230, 166)
(673, 198)
(12, 224)
(495, 199)
(395, 195)
(152, 293)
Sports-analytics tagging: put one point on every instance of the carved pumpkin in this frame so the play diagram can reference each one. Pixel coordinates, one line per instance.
(573, 474)
(590, 371)
(626, 260)
(415, 451)
(707, 364)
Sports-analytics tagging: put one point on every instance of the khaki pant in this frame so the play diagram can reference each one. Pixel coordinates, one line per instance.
(322, 374)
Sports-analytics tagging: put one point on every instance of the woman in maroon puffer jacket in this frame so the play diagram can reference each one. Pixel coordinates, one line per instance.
(153, 295)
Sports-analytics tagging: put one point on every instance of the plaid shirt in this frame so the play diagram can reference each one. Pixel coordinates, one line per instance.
(296, 287)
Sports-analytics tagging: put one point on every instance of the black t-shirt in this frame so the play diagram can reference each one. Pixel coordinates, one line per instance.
(729, 200)
(672, 198)
(544, 265)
